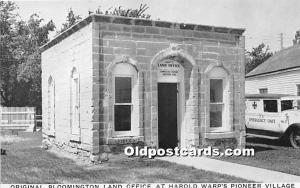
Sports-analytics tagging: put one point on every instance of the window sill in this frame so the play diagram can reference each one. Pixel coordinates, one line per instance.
(50, 133)
(122, 134)
(218, 135)
(125, 140)
(75, 138)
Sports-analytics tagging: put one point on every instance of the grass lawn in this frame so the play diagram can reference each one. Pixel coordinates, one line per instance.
(26, 162)
(270, 154)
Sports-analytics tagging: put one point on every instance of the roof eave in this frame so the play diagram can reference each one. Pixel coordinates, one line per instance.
(66, 33)
(139, 21)
(270, 72)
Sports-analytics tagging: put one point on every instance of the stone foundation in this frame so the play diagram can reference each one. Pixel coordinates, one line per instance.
(74, 148)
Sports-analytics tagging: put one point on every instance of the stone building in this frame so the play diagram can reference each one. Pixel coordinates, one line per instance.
(108, 82)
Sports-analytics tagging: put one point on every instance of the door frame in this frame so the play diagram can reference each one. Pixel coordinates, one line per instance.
(180, 110)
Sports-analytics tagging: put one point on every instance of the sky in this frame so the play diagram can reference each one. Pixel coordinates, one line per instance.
(263, 20)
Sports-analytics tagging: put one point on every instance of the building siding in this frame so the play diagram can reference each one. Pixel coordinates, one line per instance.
(279, 83)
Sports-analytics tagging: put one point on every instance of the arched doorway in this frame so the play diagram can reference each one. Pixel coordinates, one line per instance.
(173, 87)
(170, 91)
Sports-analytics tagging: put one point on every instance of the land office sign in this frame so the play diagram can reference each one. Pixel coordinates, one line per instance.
(169, 71)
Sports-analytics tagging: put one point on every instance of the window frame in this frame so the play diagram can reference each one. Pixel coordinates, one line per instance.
(75, 131)
(134, 125)
(263, 89)
(51, 106)
(218, 103)
(122, 133)
(226, 125)
(278, 105)
(282, 108)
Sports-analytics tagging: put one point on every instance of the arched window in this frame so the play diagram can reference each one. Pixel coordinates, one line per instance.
(51, 105)
(219, 100)
(126, 100)
(74, 102)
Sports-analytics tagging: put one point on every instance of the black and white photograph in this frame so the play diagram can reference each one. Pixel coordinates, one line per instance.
(150, 94)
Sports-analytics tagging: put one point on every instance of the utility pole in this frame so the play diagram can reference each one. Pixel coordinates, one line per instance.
(281, 41)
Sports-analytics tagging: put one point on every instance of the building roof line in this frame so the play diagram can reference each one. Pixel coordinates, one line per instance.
(140, 22)
(276, 71)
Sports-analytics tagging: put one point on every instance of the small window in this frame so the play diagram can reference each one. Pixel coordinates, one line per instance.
(286, 105)
(216, 102)
(219, 100)
(216, 90)
(263, 90)
(123, 89)
(51, 105)
(270, 106)
(123, 104)
(74, 103)
(122, 117)
(298, 90)
(126, 108)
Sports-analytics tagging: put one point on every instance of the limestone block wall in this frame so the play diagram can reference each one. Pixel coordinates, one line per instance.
(73, 52)
(144, 43)
(98, 43)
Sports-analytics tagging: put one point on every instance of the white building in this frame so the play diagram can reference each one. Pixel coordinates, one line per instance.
(280, 74)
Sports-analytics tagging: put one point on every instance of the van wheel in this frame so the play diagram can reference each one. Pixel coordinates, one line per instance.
(294, 138)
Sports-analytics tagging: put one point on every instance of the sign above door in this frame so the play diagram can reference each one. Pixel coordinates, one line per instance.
(169, 71)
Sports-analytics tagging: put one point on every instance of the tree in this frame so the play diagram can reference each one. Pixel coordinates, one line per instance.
(71, 20)
(126, 12)
(8, 64)
(257, 56)
(20, 71)
(33, 36)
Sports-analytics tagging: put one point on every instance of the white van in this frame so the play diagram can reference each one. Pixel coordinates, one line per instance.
(273, 116)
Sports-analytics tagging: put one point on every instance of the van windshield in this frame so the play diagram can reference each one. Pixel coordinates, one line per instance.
(286, 105)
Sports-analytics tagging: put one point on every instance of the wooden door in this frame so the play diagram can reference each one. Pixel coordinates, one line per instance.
(167, 115)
